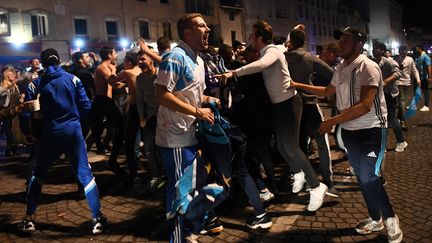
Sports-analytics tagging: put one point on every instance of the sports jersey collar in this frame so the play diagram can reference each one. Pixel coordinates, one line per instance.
(188, 50)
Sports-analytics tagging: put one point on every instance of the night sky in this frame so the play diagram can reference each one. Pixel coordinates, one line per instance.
(415, 12)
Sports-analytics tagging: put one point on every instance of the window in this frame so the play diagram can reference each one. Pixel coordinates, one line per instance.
(231, 15)
(164, 2)
(111, 29)
(283, 10)
(144, 29)
(166, 26)
(80, 27)
(4, 24)
(198, 6)
(39, 25)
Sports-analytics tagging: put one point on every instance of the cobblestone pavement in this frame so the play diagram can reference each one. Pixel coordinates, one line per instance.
(137, 215)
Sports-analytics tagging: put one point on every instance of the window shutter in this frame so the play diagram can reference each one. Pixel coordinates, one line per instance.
(27, 24)
(51, 25)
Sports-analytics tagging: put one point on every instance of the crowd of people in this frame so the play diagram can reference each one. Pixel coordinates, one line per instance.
(208, 115)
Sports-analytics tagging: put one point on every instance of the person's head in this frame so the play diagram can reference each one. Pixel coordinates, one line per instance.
(193, 30)
(145, 62)
(297, 38)
(350, 42)
(249, 54)
(329, 53)
(226, 52)
(81, 59)
(238, 46)
(163, 45)
(34, 65)
(379, 49)
(130, 60)
(262, 35)
(387, 54)
(403, 50)
(108, 53)
(8, 73)
(50, 57)
(419, 48)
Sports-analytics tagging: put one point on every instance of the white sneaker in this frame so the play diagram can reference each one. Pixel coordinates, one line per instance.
(394, 233)
(400, 147)
(192, 238)
(317, 197)
(266, 195)
(424, 108)
(299, 181)
(369, 226)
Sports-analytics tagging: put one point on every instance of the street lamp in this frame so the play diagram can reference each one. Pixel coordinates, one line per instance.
(79, 43)
(124, 43)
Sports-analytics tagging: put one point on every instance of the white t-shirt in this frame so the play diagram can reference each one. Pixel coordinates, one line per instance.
(348, 80)
(182, 72)
(274, 68)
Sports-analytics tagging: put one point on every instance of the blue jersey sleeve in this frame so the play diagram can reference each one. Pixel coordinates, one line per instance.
(82, 101)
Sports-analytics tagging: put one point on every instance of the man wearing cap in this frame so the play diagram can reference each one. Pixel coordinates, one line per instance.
(358, 85)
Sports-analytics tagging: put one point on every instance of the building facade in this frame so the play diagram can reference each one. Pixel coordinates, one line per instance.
(386, 24)
(321, 18)
(29, 26)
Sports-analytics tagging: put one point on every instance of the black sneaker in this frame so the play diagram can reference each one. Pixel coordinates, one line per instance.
(98, 225)
(212, 226)
(332, 192)
(264, 222)
(114, 167)
(26, 226)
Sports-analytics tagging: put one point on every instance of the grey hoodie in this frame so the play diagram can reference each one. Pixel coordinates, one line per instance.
(302, 66)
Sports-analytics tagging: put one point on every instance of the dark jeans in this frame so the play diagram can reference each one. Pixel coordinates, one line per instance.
(286, 123)
(310, 121)
(131, 129)
(366, 153)
(153, 158)
(258, 152)
(392, 118)
(101, 115)
(425, 89)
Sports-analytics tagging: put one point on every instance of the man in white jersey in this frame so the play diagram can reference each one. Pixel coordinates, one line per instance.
(358, 85)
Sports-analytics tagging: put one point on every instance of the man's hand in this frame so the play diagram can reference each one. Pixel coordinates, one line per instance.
(143, 45)
(211, 99)
(93, 56)
(224, 77)
(325, 126)
(205, 114)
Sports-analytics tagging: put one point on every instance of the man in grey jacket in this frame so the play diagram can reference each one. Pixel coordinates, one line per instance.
(302, 66)
(390, 72)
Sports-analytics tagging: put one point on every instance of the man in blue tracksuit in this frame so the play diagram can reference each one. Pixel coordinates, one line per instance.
(62, 101)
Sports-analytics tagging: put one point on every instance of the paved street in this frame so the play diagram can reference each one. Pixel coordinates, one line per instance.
(136, 215)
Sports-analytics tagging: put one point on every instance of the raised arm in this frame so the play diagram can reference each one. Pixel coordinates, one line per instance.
(144, 48)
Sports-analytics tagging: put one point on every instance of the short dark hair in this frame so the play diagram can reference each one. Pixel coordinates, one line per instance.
(380, 46)
(50, 57)
(105, 51)
(236, 44)
(420, 46)
(332, 47)
(163, 43)
(185, 22)
(403, 48)
(132, 57)
(297, 38)
(77, 56)
(225, 51)
(263, 29)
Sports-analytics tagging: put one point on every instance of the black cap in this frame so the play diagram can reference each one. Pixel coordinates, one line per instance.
(358, 35)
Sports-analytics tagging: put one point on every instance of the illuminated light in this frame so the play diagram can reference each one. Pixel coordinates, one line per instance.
(395, 45)
(429, 51)
(124, 43)
(19, 39)
(79, 43)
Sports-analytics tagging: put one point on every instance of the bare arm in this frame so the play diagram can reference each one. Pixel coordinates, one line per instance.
(316, 90)
(153, 55)
(367, 95)
(170, 101)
